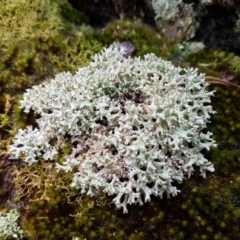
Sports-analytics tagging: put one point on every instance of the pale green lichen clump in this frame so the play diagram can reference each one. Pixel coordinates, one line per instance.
(9, 226)
(135, 126)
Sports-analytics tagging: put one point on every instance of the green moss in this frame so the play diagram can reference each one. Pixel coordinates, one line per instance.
(145, 38)
(35, 44)
(53, 210)
(28, 19)
(70, 14)
(32, 62)
(215, 62)
(26, 62)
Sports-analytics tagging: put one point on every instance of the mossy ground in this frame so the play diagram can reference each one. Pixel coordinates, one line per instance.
(50, 209)
(145, 38)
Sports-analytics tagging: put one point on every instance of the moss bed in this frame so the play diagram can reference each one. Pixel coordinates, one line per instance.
(50, 209)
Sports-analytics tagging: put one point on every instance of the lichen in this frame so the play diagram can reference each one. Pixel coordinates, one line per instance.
(132, 122)
(9, 226)
(62, 212)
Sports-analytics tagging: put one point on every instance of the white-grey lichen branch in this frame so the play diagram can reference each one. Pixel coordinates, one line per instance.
(135, 126)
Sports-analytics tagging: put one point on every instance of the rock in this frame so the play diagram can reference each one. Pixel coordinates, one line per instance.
(128, 47)
(176, 18)
(101, 12)
(216, 23)
(219, 24)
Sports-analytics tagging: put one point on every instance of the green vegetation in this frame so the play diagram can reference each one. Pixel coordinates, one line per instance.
(145, 38)
(50, 209)
(33, 50)
(25, 20)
